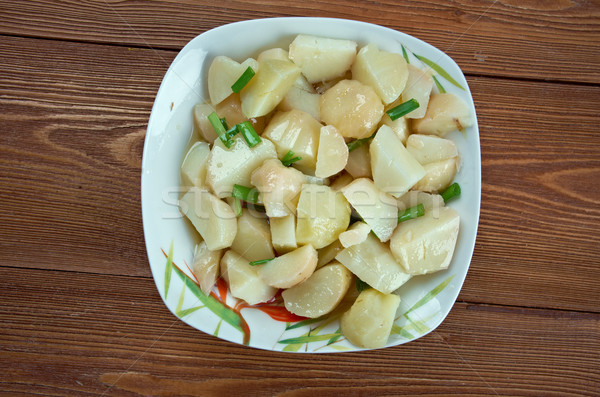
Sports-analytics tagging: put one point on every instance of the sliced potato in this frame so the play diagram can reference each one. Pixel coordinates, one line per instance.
(213, 219)
(430, 148)
(193, 168)
(322, 58)
(395, 170)
(320, 293)
(279, 187)
(369, 321)
(302, 96)
(327, 254)
(386, 72)
(273, 53)
(431, 202)
(231, 109)
(243, 280)
(205, 266)
(351, 107)
(253, 238)
(426, 244)
(234, 165)
(446, 113)
(223, 72)
(332, 154)
(283, 234)
(399, 126)
(315, 180)
(201, 123)
(341, 180)
(268, 87)
(299, 132)
(438, 175)
(373, 263)
(289, 269)
(359, 162)
(322, 215)
(378, 209)
(418, 86)
(356, 234)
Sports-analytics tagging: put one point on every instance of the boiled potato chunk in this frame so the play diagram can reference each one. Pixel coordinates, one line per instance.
(302, 96)
(299, 132)
(438, 175)
(369, 321)
(327, 254)
(205, 266)
(322, 58)
(273, 53)
(231, 109)
(378, 209)
(418, 86)
(283, 234)
(213, 218)
(223, 72)
(386, 72)
(201, 123)
(399, 126)
(234, 165)
(356, 234)
(279, 186)
(320, 293)
(289, 269)
(243, 280)
(253, 237)
(322, 215)
(343, 179)
(193, 168)
(445, 113)
(373, 263)
(332, 154)
(351, 107)
(430, 148)
(395, 170)
(426, 244)
(359, 162)
(268, 87)
(431, 202)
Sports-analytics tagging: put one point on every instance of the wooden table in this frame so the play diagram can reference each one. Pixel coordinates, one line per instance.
(79, 310)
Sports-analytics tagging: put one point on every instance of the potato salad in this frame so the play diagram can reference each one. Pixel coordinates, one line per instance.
(320, 172)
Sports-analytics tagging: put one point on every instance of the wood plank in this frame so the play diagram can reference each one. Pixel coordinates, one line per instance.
(557, 40)
(70, 157)
(85, 334)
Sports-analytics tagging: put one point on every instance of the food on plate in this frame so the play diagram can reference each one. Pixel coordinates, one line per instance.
(322, 170)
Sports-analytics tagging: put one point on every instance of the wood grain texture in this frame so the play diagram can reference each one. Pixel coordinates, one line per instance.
(554, 40)
(95, 333)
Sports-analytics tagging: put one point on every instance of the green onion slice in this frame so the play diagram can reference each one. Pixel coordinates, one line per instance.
(289, 158)
(219, 128)
(243, 80)
(411, 213)
(451, 192)
(245, 193)
(237, 207)
(261, 262)
(402, 109)
(249, 134)
(361, 285)
(359, 142)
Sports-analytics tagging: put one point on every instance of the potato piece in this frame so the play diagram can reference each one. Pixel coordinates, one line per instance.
(369, 321)
(327, 254)
(299, 132)
(193, 168)
(341, 180)
(273, 53)
(373, 263)
(399, 126)
(205, 266)
(322, 58)
(359, 162)
(283, 234)
(378, 209)
(201, 123)
(213, 219)
(395, 170)
(431, 202)
(418, 86)
(351, 107)
(438, 175)
(315, 180)
(289, 269)
(445, 113)
(279, 187)
(320, 293)
(322, 215)
(356, 234)
(243, 280)
(253, 238)
(231, 109)
(332, 154)
(234, 165)
(297, 98)
(222, 73)
(430, 148)
(268, 87)
(426, 244)
(386, 72)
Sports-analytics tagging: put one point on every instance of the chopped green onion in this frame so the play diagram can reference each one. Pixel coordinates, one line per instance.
(451, 192)
(237, 207)
(359, 142)
(249, 134)
(404, 54)
(361, 285)
(289, 158)
(245, 193)
(411, 213)
(260, 262)
(224, 122)
(243, 80)
(216, 123)
(439, 85)
(402, 109)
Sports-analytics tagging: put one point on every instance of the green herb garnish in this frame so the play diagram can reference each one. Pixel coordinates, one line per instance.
(260, 262)
(451, 192)
(403, 109)
(237, 207)
(245, 193)
(245, 128)
(289, 158)
(361, 285)
(359, 142)
(243, 80)
(219, 128)
(411, 213)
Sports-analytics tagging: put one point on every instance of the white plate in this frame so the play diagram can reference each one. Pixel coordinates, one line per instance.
(426, 300)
